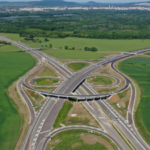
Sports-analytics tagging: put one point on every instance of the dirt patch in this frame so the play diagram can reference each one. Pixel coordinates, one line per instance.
(105, 90)
(79, 115)
(63, 61)
(111, 54)
(114, 98)
(92, 139)
(46, 89)
(22, 110)
(123, 102)
(36, 99)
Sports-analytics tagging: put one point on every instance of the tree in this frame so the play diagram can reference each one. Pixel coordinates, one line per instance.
(31, 36)
(50, 45)
(89, 49)
(46, 39)
(85, 48)
(20, 34)
(66, 47)
(73, 48)
(45, 45)
(94, 49)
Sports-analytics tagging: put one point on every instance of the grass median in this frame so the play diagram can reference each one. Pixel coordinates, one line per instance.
(46, 81)
(100, 80)
(77, 66)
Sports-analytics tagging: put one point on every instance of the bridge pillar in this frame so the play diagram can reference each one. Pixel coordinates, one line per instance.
(77, 100)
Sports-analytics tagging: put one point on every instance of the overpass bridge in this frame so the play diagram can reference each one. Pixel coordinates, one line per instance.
(72, 97)
(78, 97)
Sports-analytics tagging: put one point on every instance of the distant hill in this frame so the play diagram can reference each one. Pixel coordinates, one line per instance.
(52, 3)
(41, 3)
(92, 2)
(61, 3)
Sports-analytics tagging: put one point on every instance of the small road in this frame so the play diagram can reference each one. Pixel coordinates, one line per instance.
(44, 142)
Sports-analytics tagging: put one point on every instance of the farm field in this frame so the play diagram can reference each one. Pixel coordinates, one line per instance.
(138, 68)
(76, 54)
(80, 43)
(9, 48)
(12, 36)
(80, 139)
(12, 66)
(101, 44)
(77, 66)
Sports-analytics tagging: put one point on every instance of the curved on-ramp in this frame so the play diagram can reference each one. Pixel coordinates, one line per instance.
(42, 145)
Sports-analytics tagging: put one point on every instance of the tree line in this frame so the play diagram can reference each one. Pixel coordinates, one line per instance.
(100, 24)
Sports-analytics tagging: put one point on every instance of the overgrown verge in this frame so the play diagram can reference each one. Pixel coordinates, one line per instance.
(62, 114)
(80, 139)
(73, 113)
(23, 111)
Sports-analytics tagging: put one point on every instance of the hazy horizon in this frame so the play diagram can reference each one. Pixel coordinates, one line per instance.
(80, 1)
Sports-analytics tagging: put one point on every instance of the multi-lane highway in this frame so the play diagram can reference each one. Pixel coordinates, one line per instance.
(42, 123)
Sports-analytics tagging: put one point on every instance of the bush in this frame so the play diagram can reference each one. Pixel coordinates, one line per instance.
(66, 47)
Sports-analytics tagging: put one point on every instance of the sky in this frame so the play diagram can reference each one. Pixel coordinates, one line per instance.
(109, 1)
(101, 1)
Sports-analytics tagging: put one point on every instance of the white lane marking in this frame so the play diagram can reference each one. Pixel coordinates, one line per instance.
(90, 105)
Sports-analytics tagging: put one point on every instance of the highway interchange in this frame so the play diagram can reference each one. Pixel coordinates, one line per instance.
(39, 132)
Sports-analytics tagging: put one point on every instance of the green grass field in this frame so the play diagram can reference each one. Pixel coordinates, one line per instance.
(62, 114)
(77, 66)
(76, 54)
(71, 140)
(9, 48)
(12, 36)
(80, 43)
(12, 66)
(47, 72)
(147, 54)
(100, 44)
(100, 80)
(44, 81)
(138, 68)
